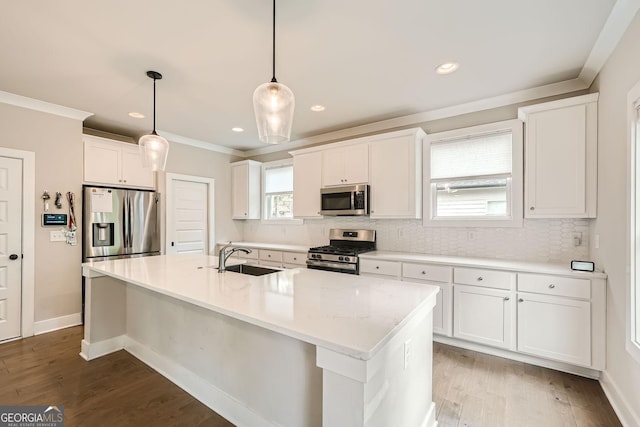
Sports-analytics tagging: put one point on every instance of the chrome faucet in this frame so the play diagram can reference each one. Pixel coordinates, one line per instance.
(223, 255)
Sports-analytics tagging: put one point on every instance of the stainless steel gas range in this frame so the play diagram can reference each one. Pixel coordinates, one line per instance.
(341, 254)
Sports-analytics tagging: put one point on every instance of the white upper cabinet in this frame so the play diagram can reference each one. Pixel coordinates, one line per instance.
(396, 175)
(307, 181)
(245, 189)
(345, 165)
(114, 163)
(561, 158)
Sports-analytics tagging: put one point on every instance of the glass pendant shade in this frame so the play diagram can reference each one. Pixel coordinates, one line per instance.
(273, 104)
(154, 150)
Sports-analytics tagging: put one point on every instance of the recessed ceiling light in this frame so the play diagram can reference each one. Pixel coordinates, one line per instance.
(237, 129)
(136, 115)
(317, 107)
(447, 67)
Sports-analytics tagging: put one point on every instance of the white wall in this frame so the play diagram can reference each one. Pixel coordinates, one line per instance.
(57, 143)
(621, 72)
(537, 241)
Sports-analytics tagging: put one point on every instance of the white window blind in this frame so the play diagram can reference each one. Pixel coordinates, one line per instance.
(482, 155)
(279, 180)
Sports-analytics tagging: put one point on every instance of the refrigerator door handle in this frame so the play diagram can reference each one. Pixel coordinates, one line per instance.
(125, 230)
(129, 216)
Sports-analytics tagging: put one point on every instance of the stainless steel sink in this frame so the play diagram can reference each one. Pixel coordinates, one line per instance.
(252, 270)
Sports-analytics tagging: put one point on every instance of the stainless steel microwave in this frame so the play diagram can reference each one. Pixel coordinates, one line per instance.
(352, 200)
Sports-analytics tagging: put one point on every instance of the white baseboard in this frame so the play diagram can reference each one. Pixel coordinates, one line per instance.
(628, 417)
(532, 360)
(50, 325)
(219, 401)
(430, 418)
(90, 351)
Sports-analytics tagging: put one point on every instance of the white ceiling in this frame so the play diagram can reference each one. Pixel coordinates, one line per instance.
(365, 60)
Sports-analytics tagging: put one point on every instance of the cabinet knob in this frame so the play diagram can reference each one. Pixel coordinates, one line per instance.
(520, 300)
(424, 272)
(507, 298)
(295, 259)
(119, 180)
(377, 267)
(551, 286)
(269, 256)
(480, 279)
(532, 208)
(125, 180)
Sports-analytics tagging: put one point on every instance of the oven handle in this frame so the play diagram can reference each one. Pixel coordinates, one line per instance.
(337, 265)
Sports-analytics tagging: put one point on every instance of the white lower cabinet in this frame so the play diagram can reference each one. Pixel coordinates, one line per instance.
(388, 269)
(484, 315)
(294, 259)
(555, 321)
(435, 275)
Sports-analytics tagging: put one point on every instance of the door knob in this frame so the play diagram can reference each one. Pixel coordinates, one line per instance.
(13, 256)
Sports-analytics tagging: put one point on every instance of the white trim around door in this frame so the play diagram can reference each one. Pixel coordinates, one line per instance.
(28, 235)
(210, 182)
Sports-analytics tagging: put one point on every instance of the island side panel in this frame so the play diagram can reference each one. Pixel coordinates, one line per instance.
(250, 375)
(394, 387)
(105, 315)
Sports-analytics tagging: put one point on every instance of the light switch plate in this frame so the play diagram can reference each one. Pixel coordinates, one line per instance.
(57, 236)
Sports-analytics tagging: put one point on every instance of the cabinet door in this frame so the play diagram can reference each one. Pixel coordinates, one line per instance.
(555, 163)
(102, 162)
(307, 181)
(555, 328)
(442, 312)
(346, 165)
(333, 164)
(240, 192)
(133, 173)
(484, 315)
(395, 187)
(356, 164)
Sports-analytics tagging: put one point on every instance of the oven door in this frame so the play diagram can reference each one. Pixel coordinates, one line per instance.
(338, 267)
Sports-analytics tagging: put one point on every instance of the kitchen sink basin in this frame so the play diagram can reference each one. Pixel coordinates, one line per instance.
(252, 270)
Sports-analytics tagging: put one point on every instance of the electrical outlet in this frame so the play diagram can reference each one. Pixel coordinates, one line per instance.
(71, 238)
(577, 239)
(407, 353)
(400, 233)
(57, 236)
(471, 235)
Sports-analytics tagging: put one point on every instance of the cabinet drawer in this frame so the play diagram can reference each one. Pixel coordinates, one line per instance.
(385, 268)
(485, 278)
(297, 258)
(270, 255)
(436, 273)
(554, 285)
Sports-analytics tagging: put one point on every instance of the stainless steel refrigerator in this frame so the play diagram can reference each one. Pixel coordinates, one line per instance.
(120, 223)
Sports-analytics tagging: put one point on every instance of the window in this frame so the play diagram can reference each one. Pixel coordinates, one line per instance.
(277, 199)
(474, 176)
(633, 300)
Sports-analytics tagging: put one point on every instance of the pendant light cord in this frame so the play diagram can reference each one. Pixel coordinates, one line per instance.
(273, 80)
(154, 106)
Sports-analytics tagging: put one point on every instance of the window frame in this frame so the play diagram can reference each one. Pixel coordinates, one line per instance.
(514, 188)
(274, 165)
(632, 341)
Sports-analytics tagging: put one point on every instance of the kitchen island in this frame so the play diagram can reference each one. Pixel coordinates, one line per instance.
(296, 348)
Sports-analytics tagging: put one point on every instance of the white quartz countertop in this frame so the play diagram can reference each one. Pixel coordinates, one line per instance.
(269, 246)
(520, 266)
(353, 315)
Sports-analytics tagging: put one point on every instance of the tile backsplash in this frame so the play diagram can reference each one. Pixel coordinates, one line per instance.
(539, 240)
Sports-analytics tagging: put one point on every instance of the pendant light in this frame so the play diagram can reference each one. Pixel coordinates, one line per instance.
(154, 148)
(273, 104)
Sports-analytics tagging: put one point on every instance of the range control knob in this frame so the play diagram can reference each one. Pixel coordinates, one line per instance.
(340, 258)
(347, 258)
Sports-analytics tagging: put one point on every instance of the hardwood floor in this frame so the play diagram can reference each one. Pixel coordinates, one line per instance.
(470, 389)
(475, 389)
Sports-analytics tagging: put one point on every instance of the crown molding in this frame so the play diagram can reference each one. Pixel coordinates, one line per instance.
(553, 89)
(179, 139)
(619, 19)
(43, 106)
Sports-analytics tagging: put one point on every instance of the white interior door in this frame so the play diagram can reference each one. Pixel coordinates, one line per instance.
(10, 247)
(189, 213)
